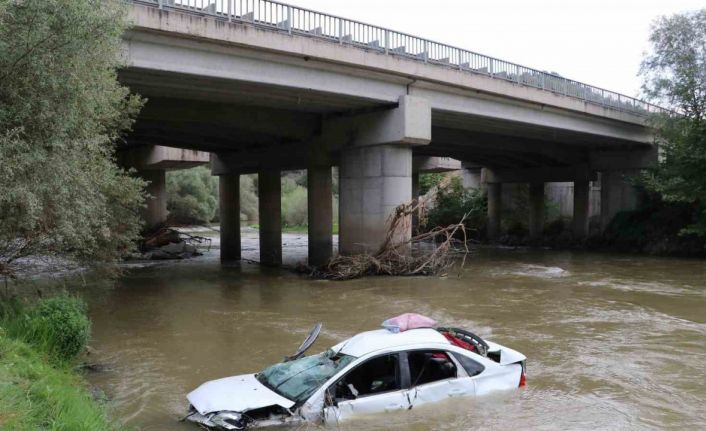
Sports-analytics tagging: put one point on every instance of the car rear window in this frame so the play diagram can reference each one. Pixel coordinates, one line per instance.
(472, 367)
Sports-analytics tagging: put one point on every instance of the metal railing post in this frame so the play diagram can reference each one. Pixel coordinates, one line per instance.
(426, 51)
(159, 3)
(490, 67)
(387, 41)
(230, 10)
(289, 19)
(543, 76)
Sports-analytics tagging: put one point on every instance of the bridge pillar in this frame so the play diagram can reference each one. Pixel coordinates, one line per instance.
(582, 196)
(320, 214)
(229, 205)
(617, 194)
(155, 211)
(495, 195)
(472, 177)
(270, 213)
(374, 181)
(415, 197)
(536, 210)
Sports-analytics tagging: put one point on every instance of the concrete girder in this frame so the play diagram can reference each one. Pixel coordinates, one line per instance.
(291, 125)
(430, 164)
(642, 158)
(542, 174)
(158, 157)
(479, 141)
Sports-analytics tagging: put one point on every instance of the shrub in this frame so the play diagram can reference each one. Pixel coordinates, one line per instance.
(294, 206)
(453, 202)
(192, 195)
(59, 326)
(248, 197)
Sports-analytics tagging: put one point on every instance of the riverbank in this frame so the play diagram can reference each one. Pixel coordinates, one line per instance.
(40, 388)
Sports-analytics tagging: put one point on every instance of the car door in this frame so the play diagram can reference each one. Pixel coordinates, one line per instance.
(375, 386)
(435, 377)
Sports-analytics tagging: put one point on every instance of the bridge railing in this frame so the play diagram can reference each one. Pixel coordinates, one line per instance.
(295, 20)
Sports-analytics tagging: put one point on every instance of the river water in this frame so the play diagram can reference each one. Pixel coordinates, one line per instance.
(613, 342)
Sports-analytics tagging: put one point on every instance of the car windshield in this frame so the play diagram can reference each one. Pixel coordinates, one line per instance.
(297, 380)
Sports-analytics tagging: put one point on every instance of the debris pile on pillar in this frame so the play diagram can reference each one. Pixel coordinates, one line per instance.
(429, 253)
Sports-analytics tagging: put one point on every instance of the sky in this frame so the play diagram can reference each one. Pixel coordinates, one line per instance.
(599, 42)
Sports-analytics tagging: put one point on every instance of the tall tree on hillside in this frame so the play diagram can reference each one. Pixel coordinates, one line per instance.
(674, 75)
(61, 112)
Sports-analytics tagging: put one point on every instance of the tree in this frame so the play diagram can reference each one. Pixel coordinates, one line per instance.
(674, 74)
(61, 112)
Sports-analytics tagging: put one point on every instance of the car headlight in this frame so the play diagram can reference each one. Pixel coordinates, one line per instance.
(229, 420)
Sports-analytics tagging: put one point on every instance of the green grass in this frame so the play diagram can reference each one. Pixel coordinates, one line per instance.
(36, 395)
(39, 387)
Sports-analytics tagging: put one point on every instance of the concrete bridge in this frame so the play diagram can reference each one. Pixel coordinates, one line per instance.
(265, 87)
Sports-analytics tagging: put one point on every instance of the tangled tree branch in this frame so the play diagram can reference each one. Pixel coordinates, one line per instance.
(428, 253)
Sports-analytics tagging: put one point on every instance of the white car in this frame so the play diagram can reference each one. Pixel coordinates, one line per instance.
(372, 372)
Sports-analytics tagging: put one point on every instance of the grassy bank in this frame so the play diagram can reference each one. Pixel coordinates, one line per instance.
(39, 387)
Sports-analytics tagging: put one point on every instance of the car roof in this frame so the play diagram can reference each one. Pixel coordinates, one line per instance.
(371, 341)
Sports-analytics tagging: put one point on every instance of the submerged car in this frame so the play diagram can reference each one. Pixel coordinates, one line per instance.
(372, 372)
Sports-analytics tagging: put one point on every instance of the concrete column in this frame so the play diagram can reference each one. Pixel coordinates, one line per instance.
(617, 194)
(270, 213)
(495, 195)
(415, 196)
(374, 180)
(581, 208)
(320, 214)
(155, 211)
(471, 177)
(536, 210)
(229, 204)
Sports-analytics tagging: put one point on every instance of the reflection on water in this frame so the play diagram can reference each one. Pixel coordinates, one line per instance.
(612, 342)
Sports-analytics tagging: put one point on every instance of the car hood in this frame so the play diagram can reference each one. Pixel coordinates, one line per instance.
(237, 394)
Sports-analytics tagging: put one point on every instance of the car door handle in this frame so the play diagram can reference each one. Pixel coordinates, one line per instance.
(456, 392)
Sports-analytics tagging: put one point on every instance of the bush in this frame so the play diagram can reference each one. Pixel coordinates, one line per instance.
(59, 326)
(248, 197)
(294, 206)
(192, 195)
(453, 202)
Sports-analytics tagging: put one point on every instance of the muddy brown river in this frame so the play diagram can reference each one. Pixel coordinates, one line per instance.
(613, 342)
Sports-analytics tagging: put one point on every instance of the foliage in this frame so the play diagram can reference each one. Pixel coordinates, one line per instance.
(192, 195)
(56, 326)
(61, 111)
(429, 181)
(674, 75)
(248, 197)
(40, 391)
(294, 206)
(453, 202)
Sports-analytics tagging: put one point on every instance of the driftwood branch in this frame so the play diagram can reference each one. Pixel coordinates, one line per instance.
(428, 253)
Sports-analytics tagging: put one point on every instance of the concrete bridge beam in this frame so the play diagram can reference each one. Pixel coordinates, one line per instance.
(229, 204)
(270, 213)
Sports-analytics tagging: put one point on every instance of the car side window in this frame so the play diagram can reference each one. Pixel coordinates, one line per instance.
(375, 376)
(426, 366)
(472, 367)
